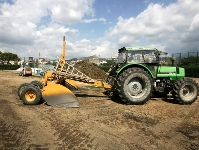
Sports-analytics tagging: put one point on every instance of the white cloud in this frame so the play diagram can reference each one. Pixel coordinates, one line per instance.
(158, 24)
(93, 20)
(89, 20)
(22, 29)
(70, 12)
(174, 28)
(86, 47)
(19, 21)
(49, 39)
(192, 34)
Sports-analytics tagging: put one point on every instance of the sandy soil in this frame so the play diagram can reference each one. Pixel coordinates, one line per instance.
(100, 123)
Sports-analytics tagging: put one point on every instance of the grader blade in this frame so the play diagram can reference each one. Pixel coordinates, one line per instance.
(56, 94)
(71, 84)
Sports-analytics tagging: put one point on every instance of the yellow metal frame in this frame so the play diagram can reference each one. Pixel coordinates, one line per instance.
(49, 75)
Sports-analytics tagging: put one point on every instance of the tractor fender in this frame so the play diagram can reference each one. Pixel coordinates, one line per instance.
(121, 69)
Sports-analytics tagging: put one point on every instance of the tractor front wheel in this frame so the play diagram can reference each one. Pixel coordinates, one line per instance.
(31, 95)
(185, 91)
(134, 86)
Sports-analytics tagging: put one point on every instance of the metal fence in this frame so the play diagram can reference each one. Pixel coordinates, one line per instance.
(189, 61)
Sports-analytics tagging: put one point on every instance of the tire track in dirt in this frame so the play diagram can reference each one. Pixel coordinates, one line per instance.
(21, 127)
(144, 125)
(190, 128)
(68, 125)
(114, 128)
(107, 115)
(12, 128)
(68, 130)
(171, 130)
(99, 123)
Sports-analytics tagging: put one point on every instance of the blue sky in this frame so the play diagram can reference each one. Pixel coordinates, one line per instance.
(97, 27)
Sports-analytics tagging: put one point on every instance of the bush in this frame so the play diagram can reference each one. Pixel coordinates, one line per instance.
(192, 71)
(9, 67)
(105, 68)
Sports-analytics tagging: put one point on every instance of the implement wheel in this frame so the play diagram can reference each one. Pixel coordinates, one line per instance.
(134, 86)
(21, 88)
(37, 83)
(31, 95)
(185, 91)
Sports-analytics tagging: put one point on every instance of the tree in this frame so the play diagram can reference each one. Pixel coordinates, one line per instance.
(191, 66)
(7, 56)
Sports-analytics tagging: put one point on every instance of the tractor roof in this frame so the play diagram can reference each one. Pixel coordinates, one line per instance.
(139, 48)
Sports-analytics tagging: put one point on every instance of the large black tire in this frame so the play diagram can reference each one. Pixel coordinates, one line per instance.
(31, 95)
(185, 91)
(21, 88)
(134, 86)
(37, 83)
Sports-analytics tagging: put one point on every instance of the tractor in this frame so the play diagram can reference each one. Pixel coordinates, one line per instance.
(139, 74)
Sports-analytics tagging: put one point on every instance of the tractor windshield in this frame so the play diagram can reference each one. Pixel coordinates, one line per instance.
(144, 56)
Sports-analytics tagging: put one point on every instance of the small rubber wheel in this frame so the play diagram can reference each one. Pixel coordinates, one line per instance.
(21, 88)
(37, 83)
(30, 95)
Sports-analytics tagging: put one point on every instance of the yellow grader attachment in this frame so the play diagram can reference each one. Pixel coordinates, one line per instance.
(54, 87)
(56, 94)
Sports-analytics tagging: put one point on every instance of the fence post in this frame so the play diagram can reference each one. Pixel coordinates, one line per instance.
(197, 68)
(179, 60)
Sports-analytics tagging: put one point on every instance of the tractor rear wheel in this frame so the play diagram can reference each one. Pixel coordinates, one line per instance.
(134, 86)
(31, 95)
(185, 91)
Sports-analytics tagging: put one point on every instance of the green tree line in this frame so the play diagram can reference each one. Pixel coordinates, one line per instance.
(5, 59)
(7, 56)
(107, 65)
(191, 65)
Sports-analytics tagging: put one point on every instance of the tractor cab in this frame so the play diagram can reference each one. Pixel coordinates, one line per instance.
(136, 54)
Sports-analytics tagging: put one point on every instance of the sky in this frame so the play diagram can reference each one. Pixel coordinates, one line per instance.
(97, 27)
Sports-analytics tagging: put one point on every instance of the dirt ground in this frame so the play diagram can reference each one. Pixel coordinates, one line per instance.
(99, 123)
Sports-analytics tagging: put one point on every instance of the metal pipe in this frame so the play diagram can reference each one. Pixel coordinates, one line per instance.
(190, 53)
(179, 61)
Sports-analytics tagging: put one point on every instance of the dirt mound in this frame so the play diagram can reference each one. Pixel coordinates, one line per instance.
(90, 70)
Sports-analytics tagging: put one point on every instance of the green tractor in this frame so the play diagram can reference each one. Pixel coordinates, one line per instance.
(139, 74)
